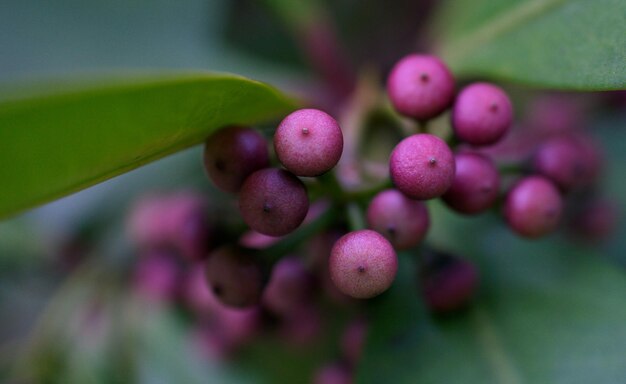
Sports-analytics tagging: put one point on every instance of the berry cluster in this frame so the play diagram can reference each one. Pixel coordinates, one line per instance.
(254, 274)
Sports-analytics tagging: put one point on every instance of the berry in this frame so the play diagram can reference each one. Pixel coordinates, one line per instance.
(232, 154)
(420, 86)
(334, 373)
(476, 184)
(363, 264)
(448, 283)
(482, 114)
(157, 276)
(422, 166)
(290, 286)
(533, 207)
(404, 222)
(562, 161)
(273, 202)
(235, 278)
(353, 340)
(308, 142)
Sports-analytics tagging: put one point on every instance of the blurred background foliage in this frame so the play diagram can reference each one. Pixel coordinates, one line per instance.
(69, 314)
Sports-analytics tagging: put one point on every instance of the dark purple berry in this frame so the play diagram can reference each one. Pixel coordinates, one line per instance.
(420, 86)
(403, 221)
(596, 220)
(290, 286)
(562, 161)
(234, 277)
(308, 142)
(448, 283)
(232, 154)
(422, 166)
(476, 184)
(273, 202)
(363, 264)
(482, 114)
(533, 207)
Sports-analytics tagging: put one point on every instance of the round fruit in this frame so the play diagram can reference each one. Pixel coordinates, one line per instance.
(482, 114)
(403, 221)
(363, 264)
(420, 86)
(232, 154)
(476, 184)
(308, 142)
(273, 202)
(422, 166)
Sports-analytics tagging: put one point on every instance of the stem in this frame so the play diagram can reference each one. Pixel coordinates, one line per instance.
(422, 126)
(511, 169)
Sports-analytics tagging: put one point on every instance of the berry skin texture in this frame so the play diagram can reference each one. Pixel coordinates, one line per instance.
(403, 221)
(533, 207)
(232, 154)
(420, 86)
(308, 142)
(235, 278)
(476, 184)
(273, 202)
(482, 114)
(422, 166)
(562, 161)
(363, 264)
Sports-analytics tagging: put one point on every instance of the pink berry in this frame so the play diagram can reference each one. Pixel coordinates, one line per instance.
(363, 264)
(308, 142)
(290, 286)
(334, 373)
(403, 221)
(533, 207)
(422, 166)
(562, 161)
(482, 114)
(420, 86)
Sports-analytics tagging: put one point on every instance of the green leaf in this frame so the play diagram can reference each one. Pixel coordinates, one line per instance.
(547, 312)
(56, 144)
(566, 44)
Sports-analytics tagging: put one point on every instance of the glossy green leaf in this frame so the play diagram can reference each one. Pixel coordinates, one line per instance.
(567, 44)
(59, 143)
(546, 312)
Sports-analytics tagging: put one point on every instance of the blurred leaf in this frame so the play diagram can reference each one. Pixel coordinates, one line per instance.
(568, 44)
(547, 312)
(57, 144)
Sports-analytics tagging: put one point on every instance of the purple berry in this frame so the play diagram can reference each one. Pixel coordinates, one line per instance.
(353, 340)
(363, 264)
(422, 166)
(420, 86)
(533, 207)
(476, 184)
(273, 202)
(482, 114)
(404, 222)
(235, 278)
(308, 142)
(232, 154)
(157, 276)
(290, 286)
(448, 283)
(562, 161)
(334, 373)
